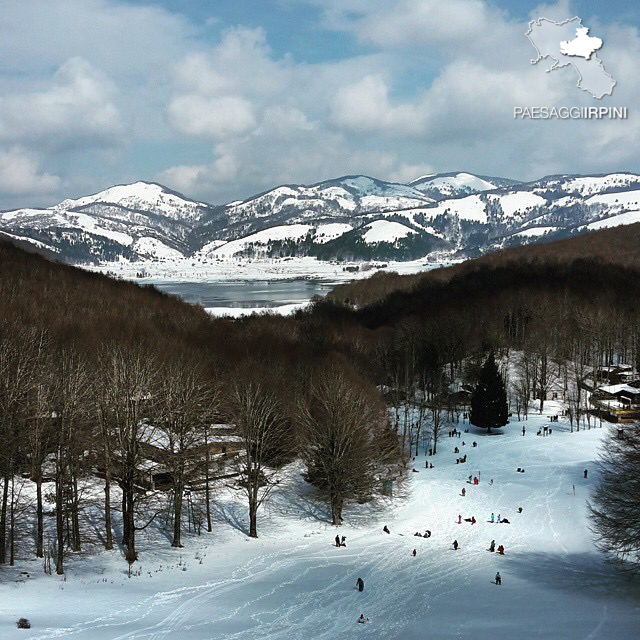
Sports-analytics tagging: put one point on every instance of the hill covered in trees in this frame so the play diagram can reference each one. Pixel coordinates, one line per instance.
(101, 377)
(618, 246)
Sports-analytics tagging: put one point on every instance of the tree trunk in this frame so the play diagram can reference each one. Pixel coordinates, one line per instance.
(3, 520)
(207, 494)
(59, 518)
(107, 511)
(39, 515)
(253, 519)
(130, 526)
(12, 524)
(125, 517)
(177, 513)
(75, 518)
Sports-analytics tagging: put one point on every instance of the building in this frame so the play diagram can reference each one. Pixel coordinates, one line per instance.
(617, 402)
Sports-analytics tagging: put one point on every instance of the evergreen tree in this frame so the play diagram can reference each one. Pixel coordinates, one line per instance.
(489, 399)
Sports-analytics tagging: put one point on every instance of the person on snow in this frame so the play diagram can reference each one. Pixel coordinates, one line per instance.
(469, 479)
(463, 493)
(343, 541)
(491, 482)
(459, 519)
(362, 619)
(417, 533)
(337, 541)
(519, 509)
(585, 473)
(476, 481)
(498, 518)
(455, 545)
(501, 550)
(360, 584)
(523, 431)
(456, 450)
(473, 520)
(427, 534)
(492, 518)
(413, 553)
(498, 578)
(492, 546)
(475, 444)
(386, 529)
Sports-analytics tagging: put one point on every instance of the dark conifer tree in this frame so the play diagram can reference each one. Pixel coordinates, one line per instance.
(489, 399)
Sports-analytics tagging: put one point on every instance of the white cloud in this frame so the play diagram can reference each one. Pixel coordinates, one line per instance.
(75, 111)
(215, 118)
(20, 174)
(431, 86)
(365, 107)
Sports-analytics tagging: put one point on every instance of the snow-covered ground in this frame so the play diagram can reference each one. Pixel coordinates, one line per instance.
(212, 270)
(292, 583)
(239, 312)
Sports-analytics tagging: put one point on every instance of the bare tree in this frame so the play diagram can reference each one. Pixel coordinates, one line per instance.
(19, 349)
(344, 436)
(255, 407)
(130, 376)
(186, 402)
(614, 506)
(69, 393)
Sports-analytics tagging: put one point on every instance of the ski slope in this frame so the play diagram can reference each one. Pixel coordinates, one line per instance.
(293, 583)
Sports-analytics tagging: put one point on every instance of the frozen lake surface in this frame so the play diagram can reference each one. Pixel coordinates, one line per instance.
(246, 293)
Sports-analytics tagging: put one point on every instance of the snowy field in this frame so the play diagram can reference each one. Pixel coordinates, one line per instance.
(194, 270)
(293, 583)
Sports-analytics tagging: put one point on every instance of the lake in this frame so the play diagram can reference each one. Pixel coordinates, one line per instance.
(246, 293)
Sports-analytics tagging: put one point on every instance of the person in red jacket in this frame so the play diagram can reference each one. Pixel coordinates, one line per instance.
(501, 550)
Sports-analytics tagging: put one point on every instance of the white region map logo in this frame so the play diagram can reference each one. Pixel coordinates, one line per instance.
(569, 43)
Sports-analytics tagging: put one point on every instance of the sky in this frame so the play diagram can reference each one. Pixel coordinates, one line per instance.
(221, 100)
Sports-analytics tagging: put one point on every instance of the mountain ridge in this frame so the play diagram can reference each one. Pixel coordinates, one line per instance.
(460, 213)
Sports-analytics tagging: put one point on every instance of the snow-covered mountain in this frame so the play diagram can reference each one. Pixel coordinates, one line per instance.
(447, 185)
(135, 221)
(353, 217)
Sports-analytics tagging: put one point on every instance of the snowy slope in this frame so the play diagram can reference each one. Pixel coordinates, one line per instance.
(292, 583)
(385, 231)
(460, 213)
(262, 239)
(142, 196)
(630, 217)
(447, 185)
(120, 222)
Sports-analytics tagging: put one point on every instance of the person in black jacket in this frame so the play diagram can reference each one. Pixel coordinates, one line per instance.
(360, 584)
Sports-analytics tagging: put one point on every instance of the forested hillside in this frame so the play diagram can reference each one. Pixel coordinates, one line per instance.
(114, 390)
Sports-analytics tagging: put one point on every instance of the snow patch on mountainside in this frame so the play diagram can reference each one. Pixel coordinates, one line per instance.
(262, 239)
(591, 185)
(448, 185)
(534, 232)
(326, 232)
(142, 196)
(385, 231)
(630, 217)
(468, 208)
(154, 248)
(518, 202)
(624, 199)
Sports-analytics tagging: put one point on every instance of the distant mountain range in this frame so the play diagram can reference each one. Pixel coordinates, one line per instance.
(349, 218)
